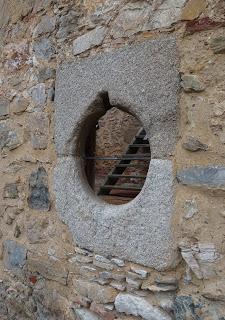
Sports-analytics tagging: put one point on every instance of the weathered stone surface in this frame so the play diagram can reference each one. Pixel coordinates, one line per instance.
(141, 16)
(15, 255)
(191, 208)
(166, 14)
(18, 105)
(191, 83)
(133, 284)
(4, 106)
(215, 290)
(184, 308)
(36, 230)
(46, 25)
(95, 291)
(41, 4)
(193, 144)
(200, 258)
(118, 262)
(120, 276)
(67, 24)
(141, 272)
(39, 197)
(49, 269)
(39, 130)
(38, 95)
(11, 191)
(138, 306)
(120, 286)
(218, 45)
(85, 314)
(193, 9)
(126, 75)
(12, 11)
(162, 284)
(102, 262)
(131, 19)
(89, 40)
(46, 74)
(208, 177)
(8, 137)
(44, 49)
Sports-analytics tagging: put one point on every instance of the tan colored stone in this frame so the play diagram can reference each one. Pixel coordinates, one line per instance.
(193, 9)
(95, 291)
(51, 270)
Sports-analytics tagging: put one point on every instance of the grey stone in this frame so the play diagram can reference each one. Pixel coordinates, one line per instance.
(41, 4)
(38, 95)
(89, 40)
(191, 83)
(120, 286)
(46, 74)
(218, 45)
(39, 197)
(44, 49)
(46, 25)
(18, 105)
(81, 259)
(118, 262)
(8, 137)
(4, 106)
(119, 276)
(166, 14)
(85, 314)
(193, 144)
(102, 262)
(139, 306)
(212, 177)
(133, 284)
(131, 19)
(36, 230)
(141, 272)
(201, 259)
(17, 231)
(191, 208)
(67, 24)
(11, 191)
(39, 130)
(145, 84)
(15, 255)
(142, 16)
(184, 308)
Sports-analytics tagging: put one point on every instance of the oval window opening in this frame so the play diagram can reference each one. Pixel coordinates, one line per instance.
(117, 156)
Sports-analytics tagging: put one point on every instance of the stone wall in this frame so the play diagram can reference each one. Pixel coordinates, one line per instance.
(44, 275)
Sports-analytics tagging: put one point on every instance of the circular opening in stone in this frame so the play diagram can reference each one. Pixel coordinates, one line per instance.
(116, 156)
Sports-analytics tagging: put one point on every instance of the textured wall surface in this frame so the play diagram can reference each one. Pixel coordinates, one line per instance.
(44, 273)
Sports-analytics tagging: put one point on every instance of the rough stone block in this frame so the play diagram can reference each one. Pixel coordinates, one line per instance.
(8, 137)
(84, 314)
(138, 306)
(89, 40)
(15, 255)
(39, 197)
(52, 270)
(95, 291)
(212, 177)
(144, 81)
(44, 49)
(4, 107)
